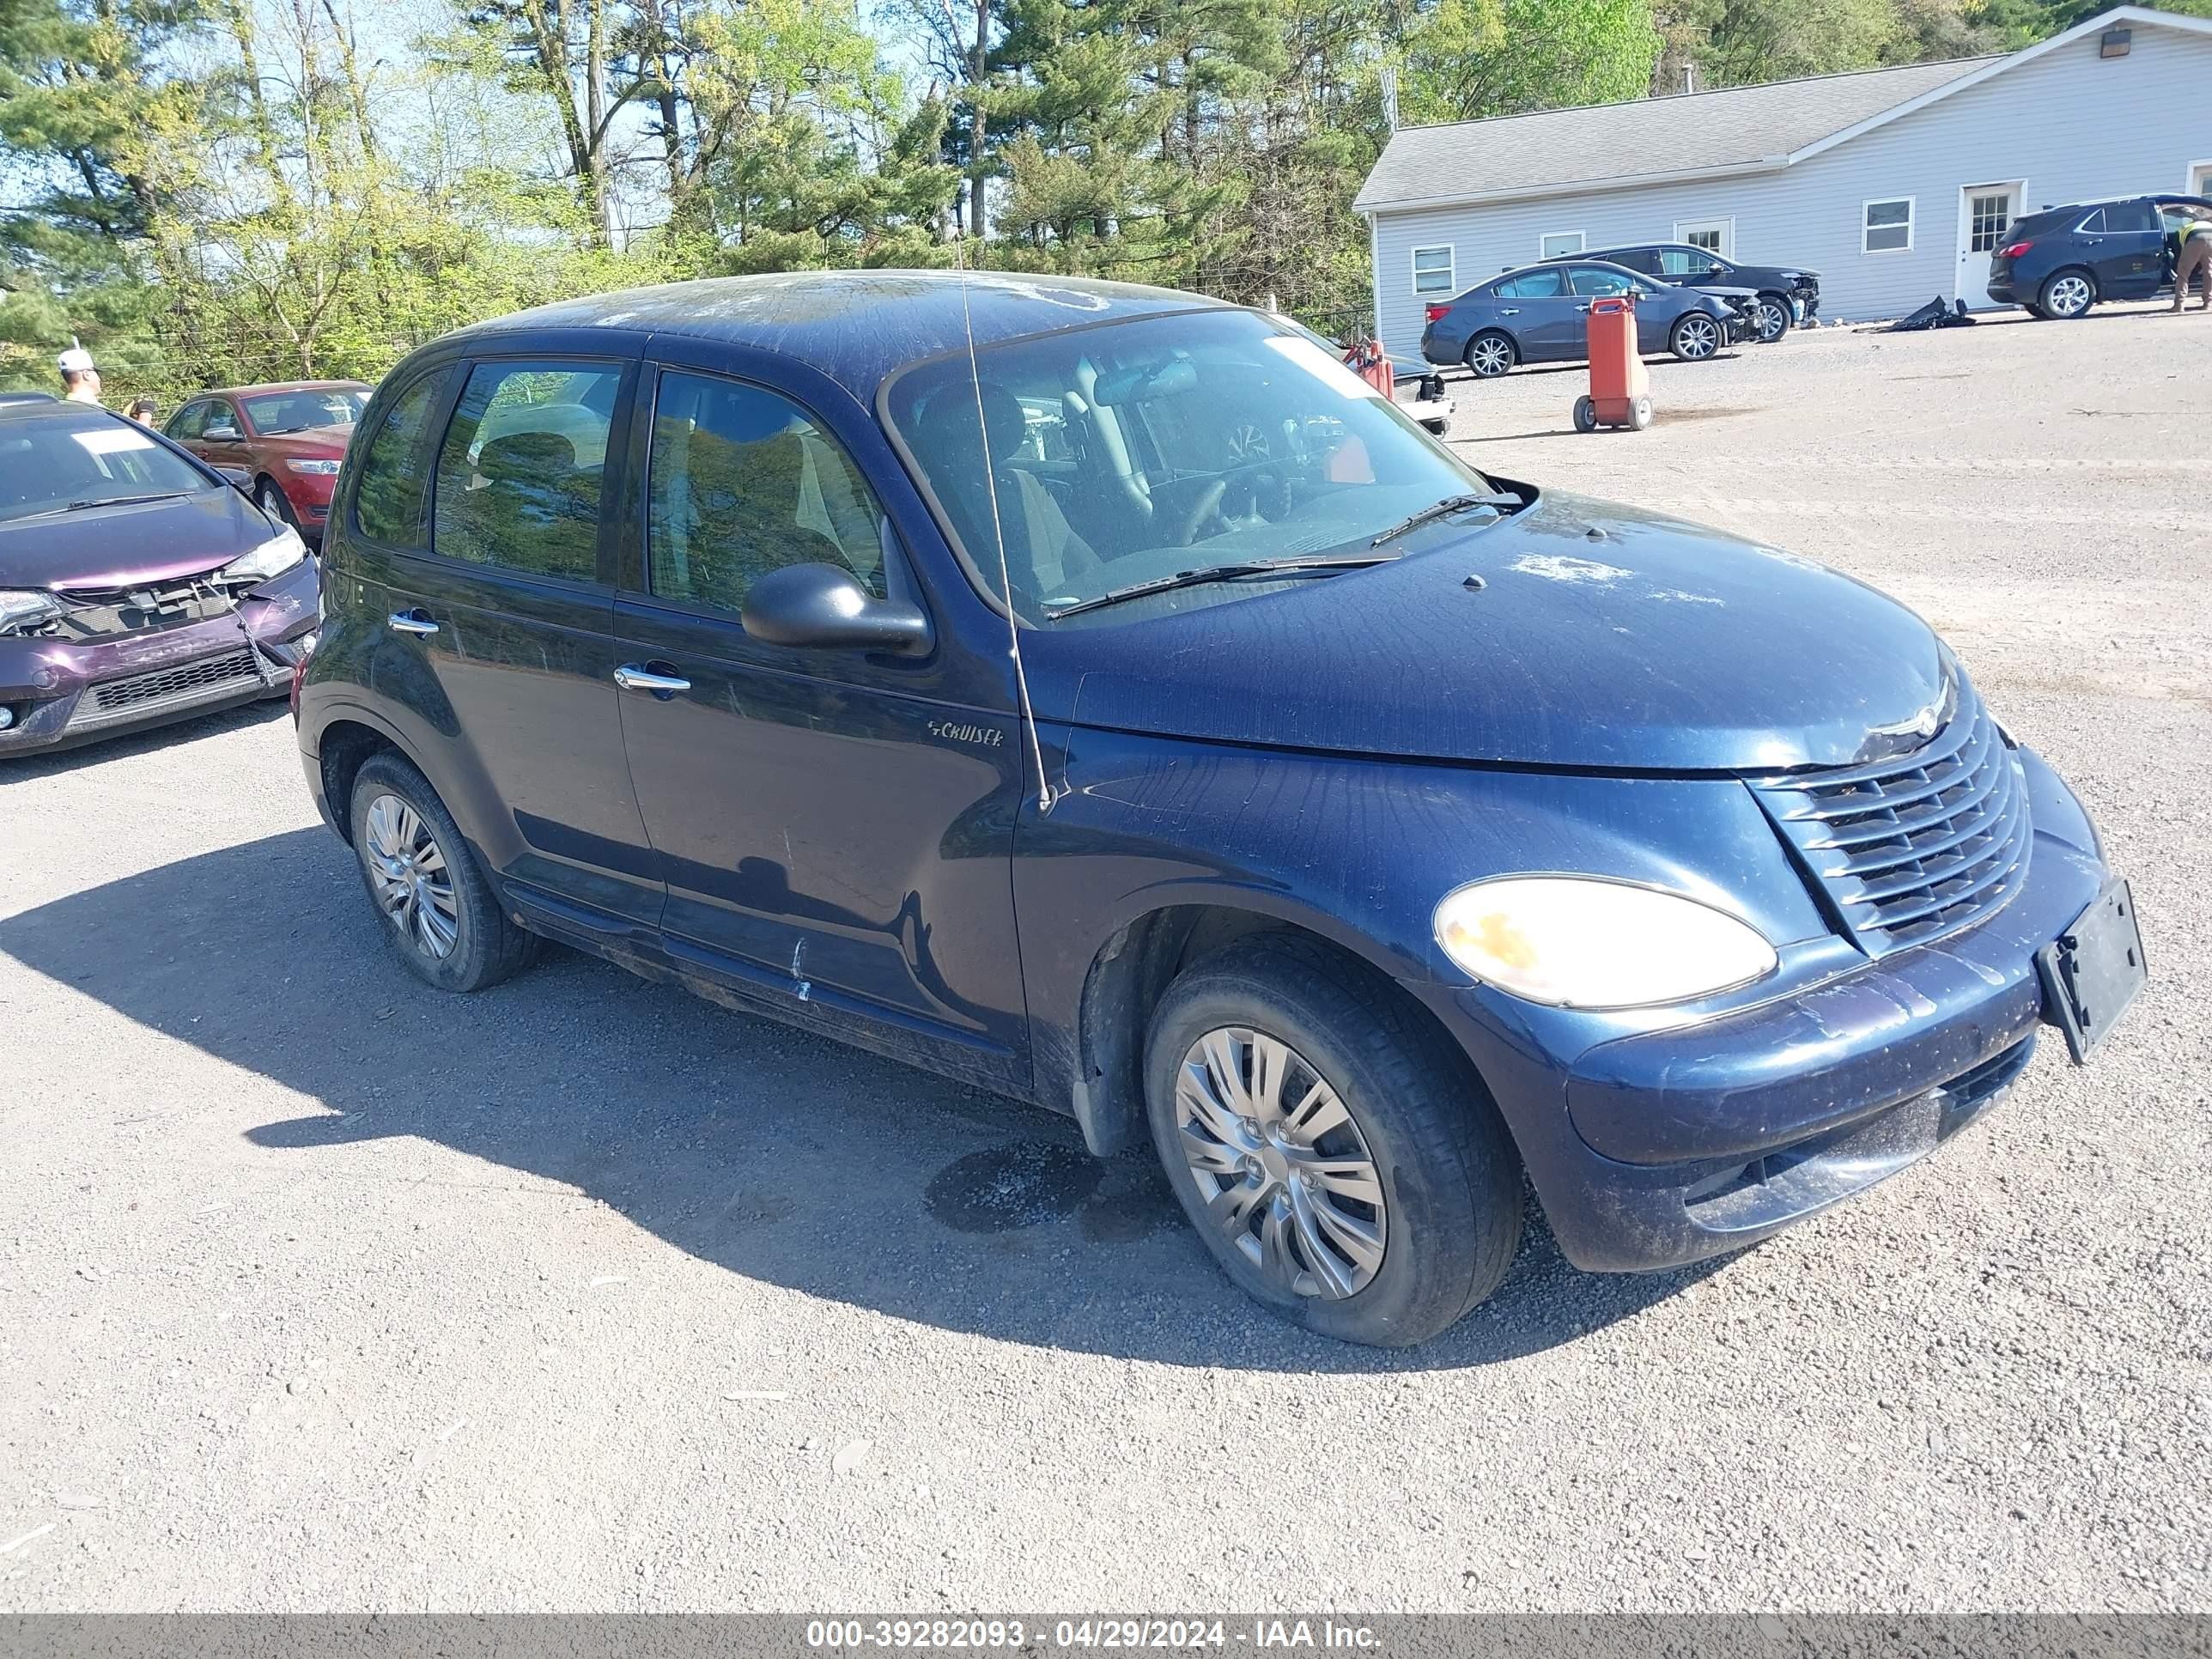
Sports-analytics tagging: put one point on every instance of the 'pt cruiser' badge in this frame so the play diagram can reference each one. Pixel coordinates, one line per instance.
(982, 737)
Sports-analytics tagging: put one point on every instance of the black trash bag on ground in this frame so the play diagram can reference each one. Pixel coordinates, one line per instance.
(1933, 315)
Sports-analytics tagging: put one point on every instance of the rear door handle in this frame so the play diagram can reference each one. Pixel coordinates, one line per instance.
(410, 622)
(657, 677)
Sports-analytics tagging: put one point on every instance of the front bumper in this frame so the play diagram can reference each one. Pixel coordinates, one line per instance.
(1657, 1150)
(63, 693)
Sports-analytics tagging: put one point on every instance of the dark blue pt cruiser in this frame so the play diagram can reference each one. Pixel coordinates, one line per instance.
(1098, 695)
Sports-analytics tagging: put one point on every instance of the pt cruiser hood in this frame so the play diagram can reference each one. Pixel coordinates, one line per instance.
(1598, 635)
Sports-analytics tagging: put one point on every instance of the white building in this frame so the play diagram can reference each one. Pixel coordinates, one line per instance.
(1894, 185)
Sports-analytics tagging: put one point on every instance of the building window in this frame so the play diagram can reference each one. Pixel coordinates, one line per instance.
(1715, 236)
(1432, 271)
(1554, 243)
(1886, 226)
(1987, 215)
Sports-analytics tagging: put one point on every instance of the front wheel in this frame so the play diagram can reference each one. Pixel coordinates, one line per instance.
(1338, 1159)
(1639, 414)
(270, 500)
(2066, 294)
(1694, 338)
(1489, 354)
(440, 913)
(1585, 415)
(1773, 319)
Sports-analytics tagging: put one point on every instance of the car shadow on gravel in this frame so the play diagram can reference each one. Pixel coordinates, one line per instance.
(765, 1150)
(41, 763)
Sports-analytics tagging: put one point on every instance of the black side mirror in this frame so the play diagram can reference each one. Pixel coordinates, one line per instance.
(823, 607)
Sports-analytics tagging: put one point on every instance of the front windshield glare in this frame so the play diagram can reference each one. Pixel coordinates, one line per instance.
(48, 466)
(1140, 450)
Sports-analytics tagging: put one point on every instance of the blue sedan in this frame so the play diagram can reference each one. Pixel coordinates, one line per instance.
(1538, 315)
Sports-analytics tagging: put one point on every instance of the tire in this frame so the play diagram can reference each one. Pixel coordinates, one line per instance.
(1585, 415)
(485, 947)
(1439, 428)
(1775, 320)
(1491, 354)
(1694, 336)
(2066, 294)
(1639, 414)
(270, 500)
(1416, 1132)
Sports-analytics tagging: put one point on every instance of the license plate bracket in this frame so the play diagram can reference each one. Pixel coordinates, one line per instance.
(2091, 971)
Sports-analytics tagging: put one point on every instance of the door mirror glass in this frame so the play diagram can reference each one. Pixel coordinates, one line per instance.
(223, 433)
(826, 608)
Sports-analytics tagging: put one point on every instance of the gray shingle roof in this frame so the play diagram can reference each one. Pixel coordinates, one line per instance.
(1611, 144)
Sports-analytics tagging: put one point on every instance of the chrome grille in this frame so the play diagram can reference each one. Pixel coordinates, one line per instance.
(1916, 847)
(232, 670)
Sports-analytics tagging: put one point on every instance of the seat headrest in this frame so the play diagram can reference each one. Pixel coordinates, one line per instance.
(526, 457)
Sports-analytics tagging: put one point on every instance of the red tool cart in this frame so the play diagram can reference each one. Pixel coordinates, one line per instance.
(1621, 390)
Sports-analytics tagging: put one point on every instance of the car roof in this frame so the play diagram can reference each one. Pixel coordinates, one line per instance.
(2106, 201)
(60, 411)
(1565, 259)
(27, 397)
(856, 326)
(277, 386)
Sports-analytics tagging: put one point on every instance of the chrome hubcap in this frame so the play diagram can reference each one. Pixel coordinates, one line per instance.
(1491, 357)
(413, 886)
(2068, 295)
(1281, 1167)
(1697, 338)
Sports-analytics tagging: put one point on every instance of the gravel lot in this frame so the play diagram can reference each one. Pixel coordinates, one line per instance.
(319, 1290)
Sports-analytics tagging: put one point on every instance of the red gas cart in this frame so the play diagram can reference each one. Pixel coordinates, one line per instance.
(1621, 390)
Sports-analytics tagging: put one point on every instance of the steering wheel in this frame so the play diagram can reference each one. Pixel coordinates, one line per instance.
(1206, 506)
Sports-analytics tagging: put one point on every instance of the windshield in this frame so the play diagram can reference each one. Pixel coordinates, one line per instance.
(1140, 450)
(49, 465)
(300, 412)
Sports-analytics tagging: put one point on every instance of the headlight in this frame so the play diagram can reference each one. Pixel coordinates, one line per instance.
(22, 608)
(315, 469)
(1583, 942)
(272, 558)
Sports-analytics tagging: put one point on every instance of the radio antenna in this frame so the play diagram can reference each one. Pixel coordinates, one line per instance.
(999, 535)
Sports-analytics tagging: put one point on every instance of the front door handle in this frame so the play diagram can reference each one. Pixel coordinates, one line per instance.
(658, 677)
(410, 622)
(1509, 311)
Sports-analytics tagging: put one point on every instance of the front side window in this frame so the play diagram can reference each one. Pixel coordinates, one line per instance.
(190, 421)
(81, 462)
(520, 474)
(1197, 441)
(1886, 226)
(744, 482)
(1432, 271)
(1531, 285)
(1685, 261)
(1598, 280)
(388, 500)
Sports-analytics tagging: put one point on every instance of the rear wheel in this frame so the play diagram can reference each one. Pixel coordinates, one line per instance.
(1338, 1161)
(1639, 413)
(1772, 312)
(2066, 294)
(1585, 415)
(1694, 338)
(441, 914)
(1489, 354)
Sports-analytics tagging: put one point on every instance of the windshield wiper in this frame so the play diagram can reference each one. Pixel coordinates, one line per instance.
(1213, 572)
(1444, 509)
(126, 500)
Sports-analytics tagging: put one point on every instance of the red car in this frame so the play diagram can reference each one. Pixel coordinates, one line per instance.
(283, 442)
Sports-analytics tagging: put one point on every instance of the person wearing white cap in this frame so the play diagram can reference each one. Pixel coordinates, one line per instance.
(80, 380)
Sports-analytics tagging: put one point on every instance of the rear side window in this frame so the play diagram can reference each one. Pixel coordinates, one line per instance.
(388, 500)
(1645, 259)
(744, 482)
(2094, 224)
(2124, 217)
(1532, 285)
(520, 471)
(1684, 262)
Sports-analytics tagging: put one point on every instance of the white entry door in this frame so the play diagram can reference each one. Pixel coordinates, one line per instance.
(1984, 211)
